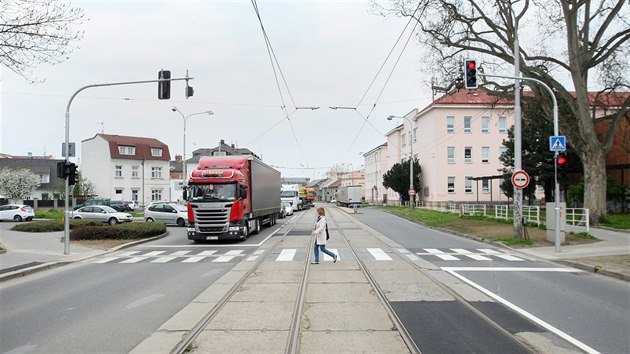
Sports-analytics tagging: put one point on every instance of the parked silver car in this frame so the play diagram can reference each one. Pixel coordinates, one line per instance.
(16, 212)
(102, 213)
(168, 213)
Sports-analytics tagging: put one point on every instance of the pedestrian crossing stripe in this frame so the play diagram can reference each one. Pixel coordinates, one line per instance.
(291, 254)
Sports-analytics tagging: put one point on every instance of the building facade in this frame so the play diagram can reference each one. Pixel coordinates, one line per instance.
(127, 168)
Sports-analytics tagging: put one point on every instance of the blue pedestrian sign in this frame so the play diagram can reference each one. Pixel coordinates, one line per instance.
(558, 143)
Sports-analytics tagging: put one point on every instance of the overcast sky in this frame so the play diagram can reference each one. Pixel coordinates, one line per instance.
(329, 53)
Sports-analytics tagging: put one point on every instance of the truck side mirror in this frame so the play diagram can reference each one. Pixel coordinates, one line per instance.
(243, 193)
(185, 194)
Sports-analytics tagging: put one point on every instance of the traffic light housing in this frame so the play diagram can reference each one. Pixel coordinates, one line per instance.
(189, 90)
(164, 87)
(73, 176)
(470, 74)
(563, 165)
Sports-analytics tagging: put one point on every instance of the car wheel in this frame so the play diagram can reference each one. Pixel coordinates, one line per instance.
(112, 221)
(149, 220)
(17, 218)
(77, 218)
(181, 222)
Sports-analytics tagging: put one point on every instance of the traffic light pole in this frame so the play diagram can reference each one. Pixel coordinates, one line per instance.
(555, 133)
(67, 216)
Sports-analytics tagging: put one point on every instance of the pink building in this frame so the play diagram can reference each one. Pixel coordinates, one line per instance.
(457, 139)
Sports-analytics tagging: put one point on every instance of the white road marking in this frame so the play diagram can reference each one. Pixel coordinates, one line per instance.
(207, 253)
(134, 260)
(469, 254)
(379, 254)
(436, 252)
(509, 258)
(163, 259)
(402, 250)
(179, 253)
(329, 258)
(488, 251)
(194, 259)
(127, 253)
(105, 260)
(453, 271)
(286, 255)
(153, 253)
(234, 253)
(223, 259)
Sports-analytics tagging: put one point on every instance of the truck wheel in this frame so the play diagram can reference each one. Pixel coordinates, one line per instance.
(256, 226)
(245, 231)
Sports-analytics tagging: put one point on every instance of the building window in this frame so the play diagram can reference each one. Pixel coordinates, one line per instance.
(403, 141)
(485, 186)
(134, 171)
(502, 124)
(119, 191)
(468, 124)
(450, 124)
(156, 152)
(134, 195)
(468, 154)
(451, 184)
(451, 154)
(118, 171)
(156, 172)
(485, 125)
(415, 134)
(44, 178)
(468, 184)
(485, 154)
(426, 191)
(156, 195)
(126, 150)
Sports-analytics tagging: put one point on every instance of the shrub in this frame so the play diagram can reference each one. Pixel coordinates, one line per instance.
(53, 225)
(127, 231)
(94, 233)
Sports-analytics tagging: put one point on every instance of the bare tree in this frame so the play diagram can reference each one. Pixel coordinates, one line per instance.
(33, 32)
(559, 40)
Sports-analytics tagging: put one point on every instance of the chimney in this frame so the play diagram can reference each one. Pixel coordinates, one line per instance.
(178, 158)
(30, 155)
(222, 142)
(232, 146)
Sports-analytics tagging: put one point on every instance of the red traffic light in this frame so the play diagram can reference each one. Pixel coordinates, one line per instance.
(472, 65)
(562, 160)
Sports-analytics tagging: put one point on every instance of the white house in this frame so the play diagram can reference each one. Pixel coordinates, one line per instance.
(375, 166)
(127, 167)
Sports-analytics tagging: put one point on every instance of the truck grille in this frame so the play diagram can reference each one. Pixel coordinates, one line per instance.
(212, 218)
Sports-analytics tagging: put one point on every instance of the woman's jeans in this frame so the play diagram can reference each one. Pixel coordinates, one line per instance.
(323, 248)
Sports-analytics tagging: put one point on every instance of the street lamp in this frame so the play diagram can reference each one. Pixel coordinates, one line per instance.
(411, 157)
(185, 118)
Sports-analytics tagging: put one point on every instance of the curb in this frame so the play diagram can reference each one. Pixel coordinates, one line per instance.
(51, 265)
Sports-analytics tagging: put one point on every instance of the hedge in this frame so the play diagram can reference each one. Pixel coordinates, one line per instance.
(94, 230)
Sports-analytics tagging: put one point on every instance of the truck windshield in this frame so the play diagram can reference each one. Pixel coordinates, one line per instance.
(288, 194)
(212, 192)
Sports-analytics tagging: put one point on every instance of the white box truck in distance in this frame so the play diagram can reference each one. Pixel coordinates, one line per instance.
(350, 195)
(289, 193)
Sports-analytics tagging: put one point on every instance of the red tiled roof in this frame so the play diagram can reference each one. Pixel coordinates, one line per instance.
(143, 147)
(608, 99)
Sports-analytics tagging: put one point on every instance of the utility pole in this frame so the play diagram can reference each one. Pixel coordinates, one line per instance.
(518, 193)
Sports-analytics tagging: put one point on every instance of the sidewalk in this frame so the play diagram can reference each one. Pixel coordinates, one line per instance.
(607, 257)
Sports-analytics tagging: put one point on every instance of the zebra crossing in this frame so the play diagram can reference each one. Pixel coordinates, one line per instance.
(292, 254)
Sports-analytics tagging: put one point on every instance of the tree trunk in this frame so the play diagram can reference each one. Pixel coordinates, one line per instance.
(594, 163)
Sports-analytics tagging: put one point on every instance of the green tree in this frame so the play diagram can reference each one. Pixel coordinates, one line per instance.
(36, 31)
(18, 183)
(397, 178)
(590, 44)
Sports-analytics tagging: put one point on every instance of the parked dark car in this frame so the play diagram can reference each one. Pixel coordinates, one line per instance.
(120, 205)
(94, 201)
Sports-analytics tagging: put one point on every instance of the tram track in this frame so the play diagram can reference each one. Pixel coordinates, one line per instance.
(340, 225)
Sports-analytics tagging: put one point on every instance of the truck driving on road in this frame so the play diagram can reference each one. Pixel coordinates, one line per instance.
(229, 197)
(350, 195)
(289, 194)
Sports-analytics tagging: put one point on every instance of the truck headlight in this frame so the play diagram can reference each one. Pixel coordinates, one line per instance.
(234, 228)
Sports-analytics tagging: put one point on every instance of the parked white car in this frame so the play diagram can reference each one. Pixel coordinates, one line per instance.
(16, 212)
(102, 213)
(132, 204)
(168, 213)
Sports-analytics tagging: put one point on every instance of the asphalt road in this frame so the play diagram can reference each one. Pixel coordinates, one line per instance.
(591, 311)
(112, 303)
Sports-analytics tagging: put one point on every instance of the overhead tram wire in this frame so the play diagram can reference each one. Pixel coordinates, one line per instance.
(366, 119)
(272, 57)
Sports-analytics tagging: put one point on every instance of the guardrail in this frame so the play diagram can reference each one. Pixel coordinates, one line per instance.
(578, 217)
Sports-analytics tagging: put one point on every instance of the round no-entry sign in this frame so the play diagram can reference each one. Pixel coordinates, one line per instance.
(412, 192)
(520, 179)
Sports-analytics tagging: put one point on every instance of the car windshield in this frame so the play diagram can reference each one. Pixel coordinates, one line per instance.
(288, 194)
(212, 192)
(179, 207)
